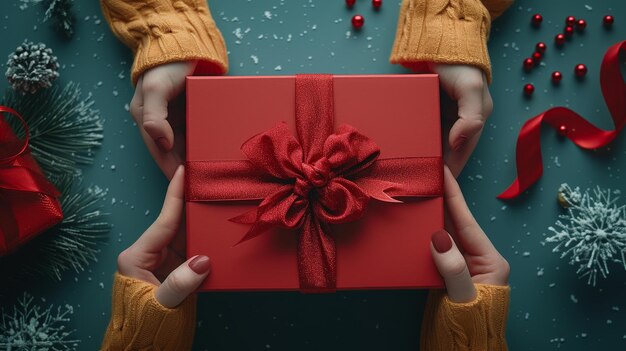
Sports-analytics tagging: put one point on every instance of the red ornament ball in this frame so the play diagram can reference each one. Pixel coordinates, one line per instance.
(570, 20)
(608, 20)
(581, 24)
(350, 3)
(537, 57)
(569, 31)
(536, 19)
(559, 39)
(377, 4)
(529, 89)
(529, 63)
(580, 70)
(563, 130)
(357, 21)
(556, 77)
(541, 47)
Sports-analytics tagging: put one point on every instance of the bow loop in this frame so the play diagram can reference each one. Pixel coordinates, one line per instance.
(349, 151)
(276, 152)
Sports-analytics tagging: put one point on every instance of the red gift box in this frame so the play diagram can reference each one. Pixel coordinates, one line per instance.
(232, 188)
(28, 202)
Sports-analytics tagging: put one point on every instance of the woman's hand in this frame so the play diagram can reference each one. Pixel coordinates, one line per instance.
(156, 256)
(469, 258)
(466, 85)
(158, 109)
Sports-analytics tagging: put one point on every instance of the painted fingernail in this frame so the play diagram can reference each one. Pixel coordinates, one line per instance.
(162, 143)
(200, 264)
(459, 143)
(441, 241)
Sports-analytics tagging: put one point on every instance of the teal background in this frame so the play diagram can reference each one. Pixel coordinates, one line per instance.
(550, 311)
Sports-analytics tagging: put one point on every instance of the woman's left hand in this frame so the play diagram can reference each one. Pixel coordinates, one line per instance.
(157, 256)
(471, 257)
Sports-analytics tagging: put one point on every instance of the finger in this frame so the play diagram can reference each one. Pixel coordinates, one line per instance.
(168, 162)
(183, 281)
(452, 267)
(156, 94)
(159, 235)
(469, 95)
(469, 234)
(161, 85)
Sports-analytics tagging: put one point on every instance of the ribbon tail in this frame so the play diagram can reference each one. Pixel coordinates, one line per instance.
(317, 257)
(378, 189)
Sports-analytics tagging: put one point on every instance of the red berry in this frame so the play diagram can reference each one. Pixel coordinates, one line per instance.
(608, 20)
(377, 4)
(570, 20)
(529, 89)
(581, 24)
(563, 130)
(350, 3)
(569, 31)
(540, 47)
(580, 70)
(537, 57)
(529, 63)
(536, 19)
(559, 39)
(357, 21)
(556, 77)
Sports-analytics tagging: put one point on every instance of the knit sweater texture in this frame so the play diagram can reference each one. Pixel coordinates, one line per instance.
(165, 31)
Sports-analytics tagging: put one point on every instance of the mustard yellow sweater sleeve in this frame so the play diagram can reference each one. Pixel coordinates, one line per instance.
(164, 31)
(139, 322)
(445, 31)
(474, 326)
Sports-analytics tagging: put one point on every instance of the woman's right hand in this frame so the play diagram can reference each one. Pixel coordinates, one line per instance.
(469, 258)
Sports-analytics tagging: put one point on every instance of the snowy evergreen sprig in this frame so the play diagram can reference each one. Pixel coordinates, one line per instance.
(32, 67)
(59, 11)
(32, 327)
(70, 245)
(592, 235)
(64, 128)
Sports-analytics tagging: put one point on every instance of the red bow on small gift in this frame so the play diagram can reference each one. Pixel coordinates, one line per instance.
(320, 178)
(28, 202)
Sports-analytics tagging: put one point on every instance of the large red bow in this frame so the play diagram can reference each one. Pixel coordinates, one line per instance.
(321, 178)
(28, 202)
(577, 129)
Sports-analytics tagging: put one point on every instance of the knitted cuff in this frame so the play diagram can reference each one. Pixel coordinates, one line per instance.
(452, 32)
(140, 322)
(476, 325)
(164, 31)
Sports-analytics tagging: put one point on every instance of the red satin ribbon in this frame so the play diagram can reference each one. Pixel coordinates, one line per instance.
(320, 178)
(582, 133)
(19, 173)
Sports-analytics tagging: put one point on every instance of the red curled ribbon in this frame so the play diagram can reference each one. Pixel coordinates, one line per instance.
(582, 133)
(308, 183)
(28, 202)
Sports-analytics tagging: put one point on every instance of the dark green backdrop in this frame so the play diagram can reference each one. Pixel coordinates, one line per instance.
(312, 36)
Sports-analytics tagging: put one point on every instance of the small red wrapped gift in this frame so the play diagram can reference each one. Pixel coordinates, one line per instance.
(314, 182)
(28, 202)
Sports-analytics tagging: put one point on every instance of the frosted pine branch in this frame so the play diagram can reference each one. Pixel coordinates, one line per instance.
(592, 235)
(32, 327)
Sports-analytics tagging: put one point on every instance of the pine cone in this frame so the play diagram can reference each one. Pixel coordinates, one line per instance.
(32, 67)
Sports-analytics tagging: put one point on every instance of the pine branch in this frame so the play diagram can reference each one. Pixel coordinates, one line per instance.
(64, 128)
(60, 11)
(70, 245)
(32, 327)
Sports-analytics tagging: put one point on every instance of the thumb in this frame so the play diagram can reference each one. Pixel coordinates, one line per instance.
(452, 267)
(183, 281)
